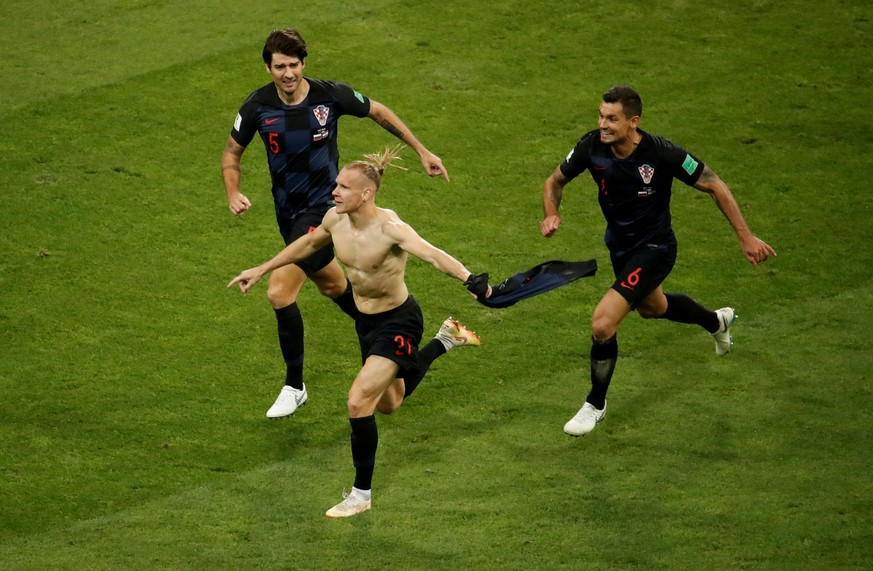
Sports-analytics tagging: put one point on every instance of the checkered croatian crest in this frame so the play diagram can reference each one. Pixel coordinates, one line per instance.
(321, 113)
(647, 172)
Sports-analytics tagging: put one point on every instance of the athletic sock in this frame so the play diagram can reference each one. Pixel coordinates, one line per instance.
(363, 494)
(290, 327)
(426, 356)
(683, 309)
(346, 301)
(604, 355)
(365, 438)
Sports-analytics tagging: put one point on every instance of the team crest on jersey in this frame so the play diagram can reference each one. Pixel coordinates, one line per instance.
(647, 172)
(321, 113)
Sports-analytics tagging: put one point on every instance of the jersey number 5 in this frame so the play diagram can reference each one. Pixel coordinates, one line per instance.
(273, 142)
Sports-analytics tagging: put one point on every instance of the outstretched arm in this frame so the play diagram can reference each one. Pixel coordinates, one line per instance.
(553, 191)
(388, 120)
(754, 249)
(230, 173)
(297, 250)
(408, 239)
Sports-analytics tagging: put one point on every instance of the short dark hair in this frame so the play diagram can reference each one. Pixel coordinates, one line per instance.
(286, 42)
(630, 100)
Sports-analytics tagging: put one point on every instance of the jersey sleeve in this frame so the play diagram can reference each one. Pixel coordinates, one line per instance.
(684, 166)
(578, 159)
(246, 123)
(351, 102)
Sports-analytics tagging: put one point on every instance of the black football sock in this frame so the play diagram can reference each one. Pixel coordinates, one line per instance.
(290, 326)
(346, 301)
(426, 356)
(604, 354)
(365, 438)
(683, 309)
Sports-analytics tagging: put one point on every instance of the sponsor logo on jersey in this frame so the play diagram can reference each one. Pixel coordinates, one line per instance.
(321, 113)
(359, 96)
(647, 172)
(238, 122)
(690, 165)
(321, 134)
(270, 121)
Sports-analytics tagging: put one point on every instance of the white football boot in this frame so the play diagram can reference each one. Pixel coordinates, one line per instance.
(723, 338)
(453, 334)
(585, 420)
(353, 503)
(288, 401)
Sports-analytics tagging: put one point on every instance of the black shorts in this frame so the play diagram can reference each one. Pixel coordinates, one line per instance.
(639, 273)
(393, 334)
(303, 224)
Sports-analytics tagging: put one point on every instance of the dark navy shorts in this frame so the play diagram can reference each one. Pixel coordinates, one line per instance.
(639, 273)
(393, 334)
(302, 225)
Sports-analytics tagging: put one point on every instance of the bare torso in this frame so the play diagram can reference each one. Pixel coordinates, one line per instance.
(375, 264)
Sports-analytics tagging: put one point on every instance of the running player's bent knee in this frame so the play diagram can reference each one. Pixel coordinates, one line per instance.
(360, 407)
(280, 296)
(646, 313)
(392, 398)
(331, 290)
(602, 328)
(387, 407)
(354, 409)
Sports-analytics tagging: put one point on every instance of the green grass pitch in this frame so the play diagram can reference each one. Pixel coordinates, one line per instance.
(133, 385)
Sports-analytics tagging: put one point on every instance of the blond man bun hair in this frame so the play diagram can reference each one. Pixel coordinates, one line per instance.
(374, 165)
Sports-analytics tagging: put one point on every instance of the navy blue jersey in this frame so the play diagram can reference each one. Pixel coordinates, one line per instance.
(301, 140)
(634, 193)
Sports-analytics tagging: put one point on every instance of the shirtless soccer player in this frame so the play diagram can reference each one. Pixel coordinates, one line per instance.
(374, 244)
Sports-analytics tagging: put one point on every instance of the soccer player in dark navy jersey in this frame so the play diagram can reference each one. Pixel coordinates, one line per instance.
(296, 117)
(300, 141)
(634, 173)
